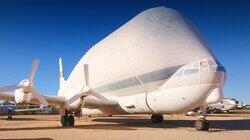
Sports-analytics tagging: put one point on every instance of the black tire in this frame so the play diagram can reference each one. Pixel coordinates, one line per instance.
(64, 120)
(71, 120)
(157, 119)
(153, 119)
(160, 119)
(202, 125)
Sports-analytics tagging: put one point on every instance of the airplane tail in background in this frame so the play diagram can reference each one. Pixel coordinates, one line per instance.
(61, 75)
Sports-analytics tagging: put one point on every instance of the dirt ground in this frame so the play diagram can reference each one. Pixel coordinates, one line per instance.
(132, 127)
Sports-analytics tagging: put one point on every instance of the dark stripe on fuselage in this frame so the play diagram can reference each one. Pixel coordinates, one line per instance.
(153, 76)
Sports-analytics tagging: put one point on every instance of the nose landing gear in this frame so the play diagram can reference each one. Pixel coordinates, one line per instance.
(202, 124)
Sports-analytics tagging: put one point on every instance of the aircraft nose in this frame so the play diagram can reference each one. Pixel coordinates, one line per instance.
(223, 71)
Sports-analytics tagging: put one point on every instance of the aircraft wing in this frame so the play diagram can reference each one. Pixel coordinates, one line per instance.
(52, 100)
(25, 92)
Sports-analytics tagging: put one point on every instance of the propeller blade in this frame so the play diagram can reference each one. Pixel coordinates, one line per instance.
(10, 88)
(99, 96)
(86, 74)
(86, 90)
(33, 69)
(79, 95)
(39, 97)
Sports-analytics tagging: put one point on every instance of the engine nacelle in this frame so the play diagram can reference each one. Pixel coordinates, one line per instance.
(21, 97)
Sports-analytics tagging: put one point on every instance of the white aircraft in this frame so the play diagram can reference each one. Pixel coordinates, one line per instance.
(157, 63)
(225, 105)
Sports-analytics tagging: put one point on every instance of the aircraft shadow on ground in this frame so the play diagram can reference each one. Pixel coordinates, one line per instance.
(90, 126)
(223, 125)
(134, 124)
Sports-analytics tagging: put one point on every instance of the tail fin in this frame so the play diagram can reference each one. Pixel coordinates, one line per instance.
(61, 76)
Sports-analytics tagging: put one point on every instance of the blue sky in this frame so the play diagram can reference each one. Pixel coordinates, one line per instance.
(49, 29)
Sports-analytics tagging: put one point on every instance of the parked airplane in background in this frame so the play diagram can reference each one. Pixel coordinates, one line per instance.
(157, 63)
(224, 105)
(9, 109)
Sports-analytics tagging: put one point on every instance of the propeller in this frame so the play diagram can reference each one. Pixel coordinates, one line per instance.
(33, 69)
(39, 96)
(86, 89)
(93, 93)
(27, 85)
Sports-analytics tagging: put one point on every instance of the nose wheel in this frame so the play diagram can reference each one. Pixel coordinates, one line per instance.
(202, 124)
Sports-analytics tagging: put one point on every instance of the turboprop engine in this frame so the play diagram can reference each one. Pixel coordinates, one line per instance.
(21, 97)
(26, 90)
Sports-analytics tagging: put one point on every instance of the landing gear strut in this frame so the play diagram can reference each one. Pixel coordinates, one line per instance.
(202, 124)
(157, 118)
(67, 120)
